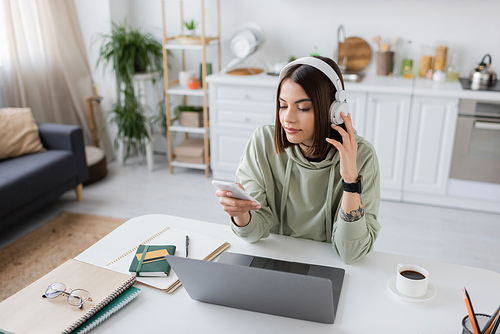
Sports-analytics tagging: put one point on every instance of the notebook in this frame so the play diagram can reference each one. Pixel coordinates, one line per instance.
(27, 312)
(201, 247)
(123, 299)
(154, 263)
(290, 289)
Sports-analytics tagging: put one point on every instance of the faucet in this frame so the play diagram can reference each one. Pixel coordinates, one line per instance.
(341, 39)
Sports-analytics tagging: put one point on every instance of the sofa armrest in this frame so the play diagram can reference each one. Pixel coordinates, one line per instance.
(66, 137)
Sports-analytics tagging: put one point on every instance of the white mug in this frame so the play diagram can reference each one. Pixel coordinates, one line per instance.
(184, 77)
(412, 287)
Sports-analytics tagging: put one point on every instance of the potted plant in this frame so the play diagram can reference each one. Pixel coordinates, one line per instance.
(191, 27)
(130, 51)
(190, 116)
(189, 38)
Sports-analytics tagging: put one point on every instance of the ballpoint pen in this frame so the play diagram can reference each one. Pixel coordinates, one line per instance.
(187, 245)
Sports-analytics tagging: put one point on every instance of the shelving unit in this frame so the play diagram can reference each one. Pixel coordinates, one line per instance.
(172, 87)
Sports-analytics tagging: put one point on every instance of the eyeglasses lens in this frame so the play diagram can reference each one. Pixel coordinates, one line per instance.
(54, 290)
(78, 297)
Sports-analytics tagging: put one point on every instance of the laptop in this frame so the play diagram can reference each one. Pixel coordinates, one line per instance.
(290, 289)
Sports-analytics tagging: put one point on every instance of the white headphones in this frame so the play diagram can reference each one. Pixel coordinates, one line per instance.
(337, 106)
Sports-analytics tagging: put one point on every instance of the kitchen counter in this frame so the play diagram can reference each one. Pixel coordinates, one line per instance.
(375, 84)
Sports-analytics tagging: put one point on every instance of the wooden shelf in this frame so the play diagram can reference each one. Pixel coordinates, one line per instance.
(209, 42)
(178, 90)
(180, 128)
(182, 44)
(175, 163)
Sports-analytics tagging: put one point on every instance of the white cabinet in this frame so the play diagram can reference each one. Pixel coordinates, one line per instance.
(235, 112)
(357, 107)
(386, 125)
(430, 146)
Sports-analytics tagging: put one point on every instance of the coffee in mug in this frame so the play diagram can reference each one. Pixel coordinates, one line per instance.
(412, 280)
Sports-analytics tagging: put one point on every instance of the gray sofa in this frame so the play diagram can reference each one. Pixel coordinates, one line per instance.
(29, 182)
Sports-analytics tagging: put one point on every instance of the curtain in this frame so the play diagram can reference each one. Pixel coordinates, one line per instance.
(44, 61)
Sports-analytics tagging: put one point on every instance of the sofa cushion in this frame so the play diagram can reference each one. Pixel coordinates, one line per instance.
(18, 133)
(28, 177)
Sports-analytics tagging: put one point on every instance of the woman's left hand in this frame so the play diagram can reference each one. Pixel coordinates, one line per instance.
(348, 150)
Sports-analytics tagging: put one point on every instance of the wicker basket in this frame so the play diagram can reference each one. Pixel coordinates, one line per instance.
(188, 40)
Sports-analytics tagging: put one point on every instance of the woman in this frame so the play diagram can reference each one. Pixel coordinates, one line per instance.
(305, 171)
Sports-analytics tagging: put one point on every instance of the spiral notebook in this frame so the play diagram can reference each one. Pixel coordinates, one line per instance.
(123, 299)
(27, 312)
(201, 247)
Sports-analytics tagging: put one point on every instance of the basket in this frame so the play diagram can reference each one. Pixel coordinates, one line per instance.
(188, 40)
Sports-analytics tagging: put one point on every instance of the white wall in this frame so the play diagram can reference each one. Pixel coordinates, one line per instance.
(95, 18)
(295, 27)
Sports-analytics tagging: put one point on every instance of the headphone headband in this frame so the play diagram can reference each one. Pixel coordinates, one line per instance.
(318, 64)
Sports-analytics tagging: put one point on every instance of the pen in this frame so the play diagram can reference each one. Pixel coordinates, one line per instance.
(187, 245)
(470, 310)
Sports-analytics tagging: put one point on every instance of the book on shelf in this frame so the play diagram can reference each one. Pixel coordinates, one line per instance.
(154, 263)
(27, 312)
(201, 247)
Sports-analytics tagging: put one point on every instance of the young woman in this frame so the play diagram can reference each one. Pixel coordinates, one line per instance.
(312, 179)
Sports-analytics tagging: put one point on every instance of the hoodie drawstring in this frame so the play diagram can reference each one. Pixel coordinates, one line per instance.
(284, 194)
(329, 203)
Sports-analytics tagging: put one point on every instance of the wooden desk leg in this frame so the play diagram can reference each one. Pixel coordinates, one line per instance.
(78, 190)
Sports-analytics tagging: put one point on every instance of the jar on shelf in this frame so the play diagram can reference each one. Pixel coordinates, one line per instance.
(452, 72)
(440, 57)
(426, 58)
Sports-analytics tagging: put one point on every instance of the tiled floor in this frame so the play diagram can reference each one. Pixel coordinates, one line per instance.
(456, 236)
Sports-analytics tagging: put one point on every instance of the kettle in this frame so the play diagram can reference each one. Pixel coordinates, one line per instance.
(483, 76)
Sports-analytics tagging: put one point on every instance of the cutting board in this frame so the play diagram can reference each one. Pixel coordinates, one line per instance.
(358, 53)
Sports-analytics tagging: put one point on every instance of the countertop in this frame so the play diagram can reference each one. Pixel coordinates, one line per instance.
(374, 84)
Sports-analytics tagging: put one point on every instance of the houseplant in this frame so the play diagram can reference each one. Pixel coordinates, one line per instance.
(129, 51)
(189, 38)
(189, 115)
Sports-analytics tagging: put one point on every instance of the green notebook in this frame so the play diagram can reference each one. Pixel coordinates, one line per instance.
(123, 299)
(153, 262)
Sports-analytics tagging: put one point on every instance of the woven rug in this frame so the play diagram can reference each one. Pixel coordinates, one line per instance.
(49, 246)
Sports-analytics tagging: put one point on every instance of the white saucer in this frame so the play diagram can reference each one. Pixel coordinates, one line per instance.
(431, 292)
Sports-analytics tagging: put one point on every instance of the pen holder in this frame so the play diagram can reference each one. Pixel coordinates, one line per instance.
(482, 319)
(384, 62)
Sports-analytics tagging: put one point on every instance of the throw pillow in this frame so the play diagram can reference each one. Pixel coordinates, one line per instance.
(18, 133)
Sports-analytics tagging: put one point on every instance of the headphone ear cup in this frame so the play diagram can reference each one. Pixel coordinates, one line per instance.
(335, 109)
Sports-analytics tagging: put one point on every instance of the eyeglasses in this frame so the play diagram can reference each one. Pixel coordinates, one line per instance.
(76, 297)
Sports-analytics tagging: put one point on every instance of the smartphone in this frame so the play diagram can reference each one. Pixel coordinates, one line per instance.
(235, 189)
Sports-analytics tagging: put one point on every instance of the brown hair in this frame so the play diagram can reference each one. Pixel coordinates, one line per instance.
(321, 92)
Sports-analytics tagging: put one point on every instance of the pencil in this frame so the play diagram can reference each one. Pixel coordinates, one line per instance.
(470, 310)
(489, 325)
(495, 326)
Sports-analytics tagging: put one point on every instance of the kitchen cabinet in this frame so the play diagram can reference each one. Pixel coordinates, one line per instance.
(235, 112)
(430, 146)
(357, 107)
(386, 127)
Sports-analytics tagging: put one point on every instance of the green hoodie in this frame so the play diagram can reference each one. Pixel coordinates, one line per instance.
(302, 199)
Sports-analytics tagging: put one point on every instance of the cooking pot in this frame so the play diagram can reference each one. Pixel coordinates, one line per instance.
(483, 76)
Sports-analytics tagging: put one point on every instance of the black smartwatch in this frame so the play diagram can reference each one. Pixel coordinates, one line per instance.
(353, 187)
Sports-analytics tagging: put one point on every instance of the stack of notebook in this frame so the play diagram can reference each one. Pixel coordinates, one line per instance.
(27, 312)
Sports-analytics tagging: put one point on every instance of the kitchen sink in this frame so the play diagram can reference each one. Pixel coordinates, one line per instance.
(353, 77)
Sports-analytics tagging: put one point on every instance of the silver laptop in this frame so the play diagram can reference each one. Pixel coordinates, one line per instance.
(290, 289)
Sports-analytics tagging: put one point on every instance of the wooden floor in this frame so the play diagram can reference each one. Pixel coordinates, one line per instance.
(456, 236)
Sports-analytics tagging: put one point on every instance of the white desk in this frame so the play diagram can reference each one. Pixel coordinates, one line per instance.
(366, 304)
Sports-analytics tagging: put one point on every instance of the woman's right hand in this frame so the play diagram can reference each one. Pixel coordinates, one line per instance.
(237, 208)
